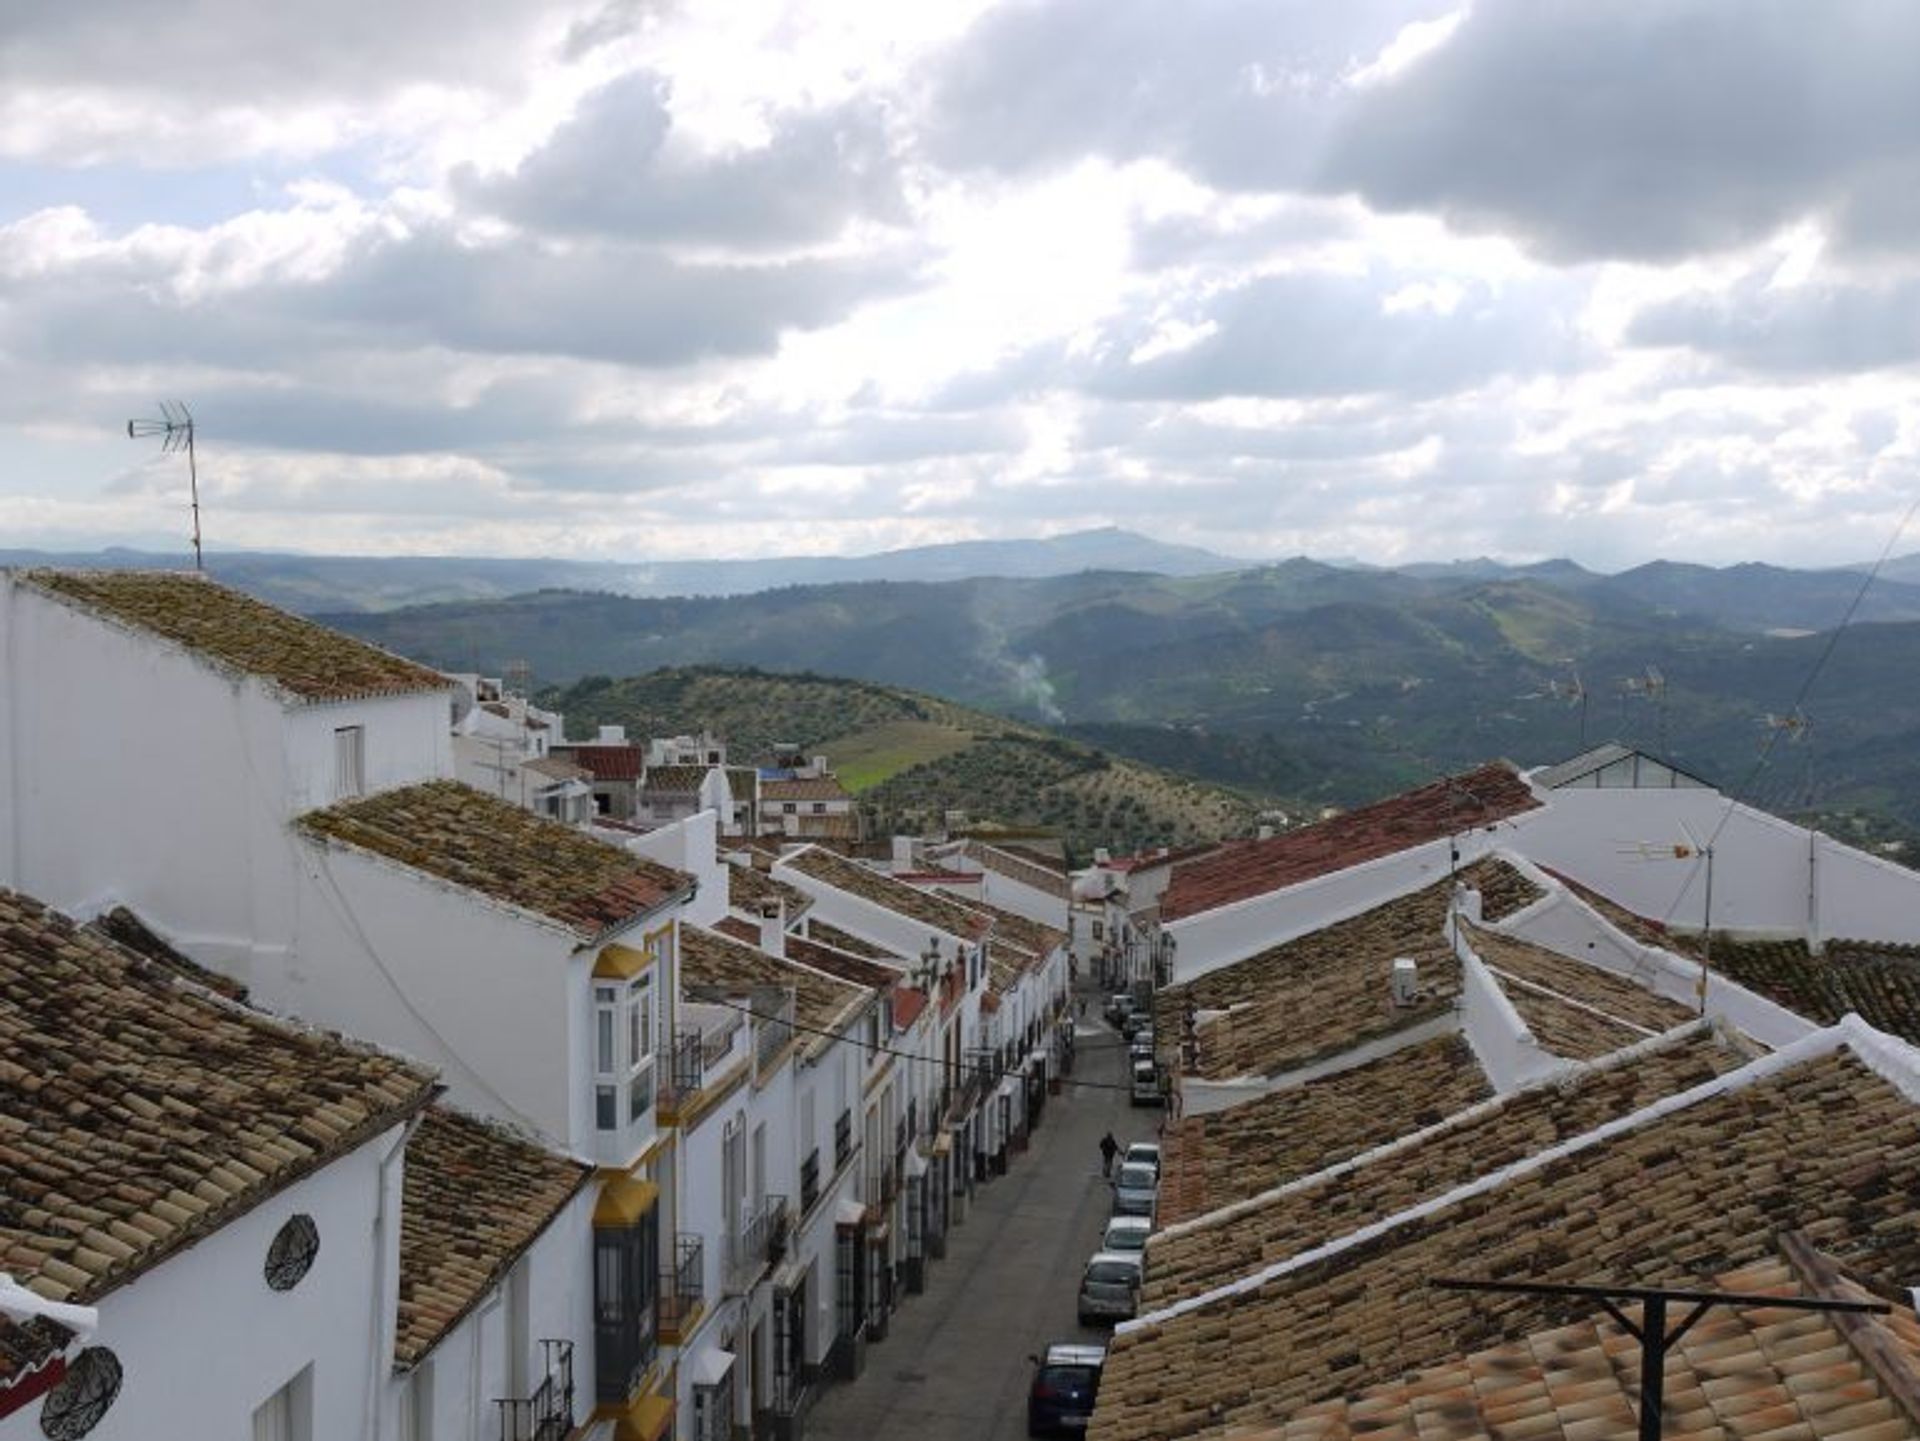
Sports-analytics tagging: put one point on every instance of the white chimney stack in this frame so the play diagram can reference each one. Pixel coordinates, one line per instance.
(1406, 980)
(613, 735)
(773, 928)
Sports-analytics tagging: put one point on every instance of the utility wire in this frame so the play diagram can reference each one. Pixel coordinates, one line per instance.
(961, 1066)
(1745, 788)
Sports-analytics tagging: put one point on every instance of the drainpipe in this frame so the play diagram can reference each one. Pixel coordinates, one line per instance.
(380, 1359)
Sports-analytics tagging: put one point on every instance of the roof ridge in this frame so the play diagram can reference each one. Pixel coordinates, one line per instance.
(1820, 1043)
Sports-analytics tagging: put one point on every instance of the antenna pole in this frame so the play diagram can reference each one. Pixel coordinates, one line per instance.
(1706, 939)
(193, 483)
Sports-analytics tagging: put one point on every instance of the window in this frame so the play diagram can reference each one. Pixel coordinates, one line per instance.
(819, 808)
(1099, 931)
(622, 1053)
(789, 807)
(287, 1415)
(349, 762)
(640, 1047)
(626, 1262)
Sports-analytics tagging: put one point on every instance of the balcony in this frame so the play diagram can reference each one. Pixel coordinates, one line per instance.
(882, 1186)
(682, 1289)
(546, 1415)
(758, 1245)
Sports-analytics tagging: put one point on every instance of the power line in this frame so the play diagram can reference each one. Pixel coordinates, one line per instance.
(958, 1066)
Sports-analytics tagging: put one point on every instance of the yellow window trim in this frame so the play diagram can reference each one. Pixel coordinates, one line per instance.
(623, 1201)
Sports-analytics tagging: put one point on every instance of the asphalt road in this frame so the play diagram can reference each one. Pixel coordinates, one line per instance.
(954, 1365)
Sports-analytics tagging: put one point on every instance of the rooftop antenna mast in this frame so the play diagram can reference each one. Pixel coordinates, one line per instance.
(1692, 849)
(175, 429)
(1794, 727)
(1653, 685)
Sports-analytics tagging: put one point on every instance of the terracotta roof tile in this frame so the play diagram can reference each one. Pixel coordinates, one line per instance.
(1327, 991)
(1824, 1145)
(1241, 870)
(1016, 864)
(740, 930)
(821, 1002)
(1228, 1155)
(673, 780)
(122, 925)
(835, 961)
(841, 940)
(909, 901)
(473, 840)
(474, 1198)
(1737, 1371)
(138, 1112)
(239, 633)
(1572, 1008)
(748, 888)
(819, 788)
(606, 763)
(1232, 1243)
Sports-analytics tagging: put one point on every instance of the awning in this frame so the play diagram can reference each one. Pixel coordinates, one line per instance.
(916, 1163)
(647, 1419)
(848, 1212)
(943, 1144)
(709, 1366)
(623, 1201)
(1009, 1087)
(619, 963)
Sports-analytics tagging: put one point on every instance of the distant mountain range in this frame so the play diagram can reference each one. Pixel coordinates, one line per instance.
(1314, 681)
(371, 583)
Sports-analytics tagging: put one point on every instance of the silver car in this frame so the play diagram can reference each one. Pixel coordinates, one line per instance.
(1136, 1188)
(1110, 1289)
(1127, 1233)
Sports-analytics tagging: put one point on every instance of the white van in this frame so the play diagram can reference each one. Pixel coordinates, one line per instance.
(1146, 1084)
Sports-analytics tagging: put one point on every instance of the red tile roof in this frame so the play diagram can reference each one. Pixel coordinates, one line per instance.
(819, 788)
(607, 763)
(907, 1006)
(858, 969)
(1239, 871)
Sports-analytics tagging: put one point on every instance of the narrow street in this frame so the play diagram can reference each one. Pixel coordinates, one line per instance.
(954, 1364)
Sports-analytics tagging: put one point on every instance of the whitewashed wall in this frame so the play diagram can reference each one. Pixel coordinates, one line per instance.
(202, 1341)
(691, 845)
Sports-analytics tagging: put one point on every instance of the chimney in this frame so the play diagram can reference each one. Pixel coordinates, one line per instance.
(773, 928)
(1466, 902)
(902, 854)
(1265, 833)
(1406, 980)
(613, 735)
(1102, 856)
(819, 766)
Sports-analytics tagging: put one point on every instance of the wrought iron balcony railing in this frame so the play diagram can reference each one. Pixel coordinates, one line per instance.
(760, 1242)
(546, 1415)
(682, 1288)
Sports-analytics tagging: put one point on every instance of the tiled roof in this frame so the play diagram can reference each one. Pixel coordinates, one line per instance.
(1331, 1202)
(748, 888)
(1747, 1371)
(1572, 1008)
(821, 788)
(1048, 874)
(139, 1113)
(842, 827)
(1236, 872)
(606, 763)
(1229, 1155)
(841, 940)
(856, 879)
(471, 839)
(1879, 981)
(740, 930)
(555, 769)
(474, 1198)
(673, 780)
(837, 962)
(821, 1001)
(240, 633)
(122, 925)
(1023, 934)
(1819, 1142)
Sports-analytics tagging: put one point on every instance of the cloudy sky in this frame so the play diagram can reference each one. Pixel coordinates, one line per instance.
(617, 279)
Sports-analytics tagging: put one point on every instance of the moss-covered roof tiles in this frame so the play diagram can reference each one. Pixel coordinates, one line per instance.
(821, 1002)
(1228, 1155)
(1218, 1247)
(1573, 1009)
(139, 1113)
(305, 660)
(1821, 1143)
(910, 901)
(748, 889)
(468, 838)
(475, 1197)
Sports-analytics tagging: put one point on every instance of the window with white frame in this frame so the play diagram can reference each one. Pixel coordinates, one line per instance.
(349, 762)
(640, 1047)
(623, 1044)
(606, 1061)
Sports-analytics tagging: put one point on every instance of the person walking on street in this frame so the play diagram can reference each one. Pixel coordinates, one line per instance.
(1109, 1148)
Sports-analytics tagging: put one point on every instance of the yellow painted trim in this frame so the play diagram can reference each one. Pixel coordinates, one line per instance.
(647, 1419)
(619, 963)
(623, 1201)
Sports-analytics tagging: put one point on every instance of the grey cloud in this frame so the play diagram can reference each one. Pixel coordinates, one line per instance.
(1650, 129)
(1799, 330)
(1234, 90)
(1322, 335)
(611, 170)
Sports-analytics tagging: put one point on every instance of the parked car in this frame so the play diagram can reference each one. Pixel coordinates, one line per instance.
(1145, 1090)
(1136, 1021)
(1110, 1287)
(1065, 1381)
(1119, 1007)
(1147, 1152)
(1140, 1045)
(1136, 1189)
(1126, 1233)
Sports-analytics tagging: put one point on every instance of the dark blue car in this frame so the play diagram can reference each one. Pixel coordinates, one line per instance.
(1065, 1382)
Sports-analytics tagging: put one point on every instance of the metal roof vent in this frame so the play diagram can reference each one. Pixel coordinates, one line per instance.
(1406, 980)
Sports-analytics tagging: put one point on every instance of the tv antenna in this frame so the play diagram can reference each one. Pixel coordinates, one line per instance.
(1795, 728)
(1651, 685)
(1573, 691)
(175, 429)
(1692, 849)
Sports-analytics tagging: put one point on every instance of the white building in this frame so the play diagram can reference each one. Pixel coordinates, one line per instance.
(223, 1189)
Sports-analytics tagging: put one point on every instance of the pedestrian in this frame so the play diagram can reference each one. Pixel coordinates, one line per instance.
(1109, 1148)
